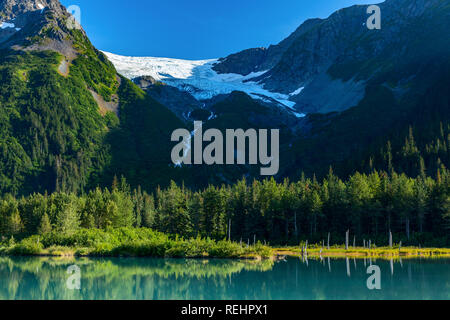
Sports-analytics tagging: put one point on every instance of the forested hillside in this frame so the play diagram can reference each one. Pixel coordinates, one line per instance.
(60, 105)
(52, 131)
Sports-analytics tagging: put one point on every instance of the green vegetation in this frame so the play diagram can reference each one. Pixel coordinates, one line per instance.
(101, 222)
(53, 137)
(140, 146)
(51, 134)
(141, 242)
(95, 68)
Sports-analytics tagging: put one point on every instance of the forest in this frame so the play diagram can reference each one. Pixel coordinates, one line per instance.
(415, 210)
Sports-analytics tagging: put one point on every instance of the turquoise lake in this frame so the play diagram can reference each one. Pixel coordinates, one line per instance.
(179, 279)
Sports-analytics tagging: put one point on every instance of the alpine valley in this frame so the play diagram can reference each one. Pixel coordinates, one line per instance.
(74, 118)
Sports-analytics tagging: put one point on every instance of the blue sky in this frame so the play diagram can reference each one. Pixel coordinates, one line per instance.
(196, 29)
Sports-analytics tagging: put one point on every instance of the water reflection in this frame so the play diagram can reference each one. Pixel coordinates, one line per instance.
(150, 279)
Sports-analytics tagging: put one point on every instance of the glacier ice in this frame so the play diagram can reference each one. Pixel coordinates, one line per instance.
(195, 76)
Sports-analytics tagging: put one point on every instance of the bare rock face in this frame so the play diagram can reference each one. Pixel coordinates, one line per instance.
(35, 25)
(14, 8)
(261, 59)
(244, 62)
(145, 82)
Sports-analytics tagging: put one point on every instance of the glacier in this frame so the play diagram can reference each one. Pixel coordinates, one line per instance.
(196, 77)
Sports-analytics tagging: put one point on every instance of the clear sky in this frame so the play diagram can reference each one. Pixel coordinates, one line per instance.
(196, 29)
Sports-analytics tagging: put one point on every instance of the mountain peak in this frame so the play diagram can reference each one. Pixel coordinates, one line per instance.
(12, 8)
(35, 25)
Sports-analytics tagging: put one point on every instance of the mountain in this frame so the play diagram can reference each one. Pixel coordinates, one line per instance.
(359, 88)
(60, 104)
(261, 59)
(405, 71)
(36, 25)
(72, 117)
(340, 57)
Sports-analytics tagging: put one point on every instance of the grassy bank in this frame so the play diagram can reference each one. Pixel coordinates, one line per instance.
(142, 242)
(360, 252)
(130, 242)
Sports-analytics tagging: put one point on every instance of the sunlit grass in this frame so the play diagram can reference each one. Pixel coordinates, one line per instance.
(361, 252)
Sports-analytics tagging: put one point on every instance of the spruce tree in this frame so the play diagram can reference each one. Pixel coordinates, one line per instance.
(45, 226)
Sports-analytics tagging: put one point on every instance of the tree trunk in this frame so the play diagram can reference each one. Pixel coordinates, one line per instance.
(328, 243)
(346, 239)
(390, 239)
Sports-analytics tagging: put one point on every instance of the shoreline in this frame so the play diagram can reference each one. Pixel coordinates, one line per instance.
(278, 254)
(361, 253)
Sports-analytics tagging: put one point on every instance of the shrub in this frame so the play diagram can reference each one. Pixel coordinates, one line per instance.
(29, 246)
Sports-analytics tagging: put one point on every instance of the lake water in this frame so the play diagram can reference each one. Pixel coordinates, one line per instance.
(161, 279)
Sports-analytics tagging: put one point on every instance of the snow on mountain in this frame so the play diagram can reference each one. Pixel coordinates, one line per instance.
(297, 92)
(196, 77)
(5, 25)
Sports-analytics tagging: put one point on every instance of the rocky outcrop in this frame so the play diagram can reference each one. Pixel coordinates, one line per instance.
(145, 82)
(13, 8)
(106, 106)
(261, 59)
(181, 103)
(36, 25)
(243, 63)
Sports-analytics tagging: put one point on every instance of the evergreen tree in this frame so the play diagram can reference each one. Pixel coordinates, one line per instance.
(45, 226)
(14, 225)
(68, 218)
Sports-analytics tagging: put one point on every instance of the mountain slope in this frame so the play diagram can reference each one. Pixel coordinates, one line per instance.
(339, 56)
(69, 122)
(363, 88)
(57, 100)
(52, 131)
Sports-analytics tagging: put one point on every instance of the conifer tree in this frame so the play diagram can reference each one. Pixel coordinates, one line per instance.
(45, 226)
